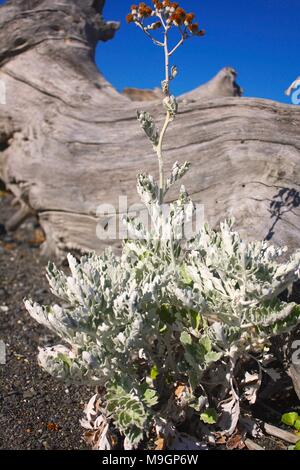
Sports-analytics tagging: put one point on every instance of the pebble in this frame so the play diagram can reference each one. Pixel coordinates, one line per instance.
(4, 308)
(30, 393)
(46, 445)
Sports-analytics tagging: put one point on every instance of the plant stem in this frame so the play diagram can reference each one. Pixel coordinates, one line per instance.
(166, 49)
(176, 47)
(155, 41)
(160, 158)
(169, 118)
(166, 123)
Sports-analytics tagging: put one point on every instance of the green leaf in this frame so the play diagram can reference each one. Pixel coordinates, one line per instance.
(212, 357)
(154, 372)
(150, 397)
(297, 446)
(163, 329)
(297, 424)
(186, 278)
(206, 343)
(65, 359)
(289, 418)
(124, 418)
(166, 314)
(134, 435)
(185, 338)
(196, 319)
(209, 416)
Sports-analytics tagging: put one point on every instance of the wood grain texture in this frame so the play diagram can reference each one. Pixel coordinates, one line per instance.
(69, 141)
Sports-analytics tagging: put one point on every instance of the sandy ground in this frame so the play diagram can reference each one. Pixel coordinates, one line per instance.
(36, 412)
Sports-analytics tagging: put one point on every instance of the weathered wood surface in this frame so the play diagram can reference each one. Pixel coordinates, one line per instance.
(69, 141)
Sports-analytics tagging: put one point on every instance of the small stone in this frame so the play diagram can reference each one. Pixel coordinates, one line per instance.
(30, 393)
(46, 445)
(3, 308)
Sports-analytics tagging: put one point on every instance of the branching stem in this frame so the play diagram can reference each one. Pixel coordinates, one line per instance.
(155, 41)
(176, 47)
(168, 119)
(160, 157)
(169, 115)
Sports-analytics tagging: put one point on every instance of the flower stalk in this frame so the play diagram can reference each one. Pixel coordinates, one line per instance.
(168, 15)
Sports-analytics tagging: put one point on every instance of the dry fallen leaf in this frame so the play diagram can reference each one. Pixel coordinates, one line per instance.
(179, 390)
(52, 427)
(252, 384)
(160, 444)
(8, 246)
(235, 442)
(89, 437)
(230, 413)
(221, 440)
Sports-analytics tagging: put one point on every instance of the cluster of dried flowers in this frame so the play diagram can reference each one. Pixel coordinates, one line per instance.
(169, 14)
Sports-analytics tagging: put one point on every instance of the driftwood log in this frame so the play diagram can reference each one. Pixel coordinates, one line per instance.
(69, 141)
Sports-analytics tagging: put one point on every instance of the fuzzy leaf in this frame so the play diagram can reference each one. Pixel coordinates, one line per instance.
(148, 125)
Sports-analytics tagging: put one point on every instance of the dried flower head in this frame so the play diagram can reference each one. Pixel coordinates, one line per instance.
(169, 14)
(189, 17)
(144, 10)
(130, 18)
(194, 29)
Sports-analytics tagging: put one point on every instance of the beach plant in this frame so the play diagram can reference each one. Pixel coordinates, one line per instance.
(292, 419)
(164, 330)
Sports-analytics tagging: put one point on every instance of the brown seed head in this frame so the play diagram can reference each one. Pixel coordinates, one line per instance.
(180, 11)
(194, 29)
(201, 32)
(130, 18)
(159, 6)
(189, 18)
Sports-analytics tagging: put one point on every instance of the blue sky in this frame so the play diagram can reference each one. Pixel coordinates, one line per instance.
(260, 38)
